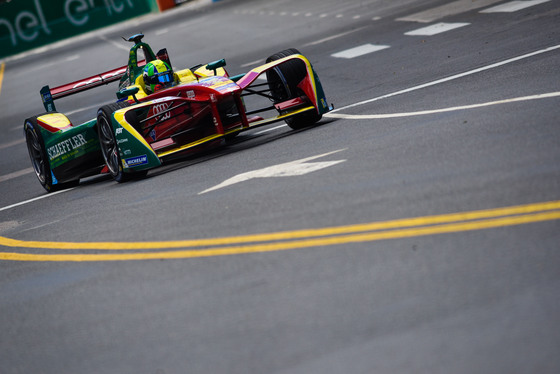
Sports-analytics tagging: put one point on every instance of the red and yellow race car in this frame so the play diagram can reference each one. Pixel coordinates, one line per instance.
(162, 113)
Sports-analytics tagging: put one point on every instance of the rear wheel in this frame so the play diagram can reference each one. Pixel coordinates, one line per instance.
(283, 82)
(108, 143)
(39, 158)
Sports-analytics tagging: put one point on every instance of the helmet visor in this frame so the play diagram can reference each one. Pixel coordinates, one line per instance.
(164, 78)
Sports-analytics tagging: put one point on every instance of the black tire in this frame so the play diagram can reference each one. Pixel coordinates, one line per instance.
(109, 146)
(283, 82)
(39, 158)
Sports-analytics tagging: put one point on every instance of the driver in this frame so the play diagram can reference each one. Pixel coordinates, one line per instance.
(157, 75)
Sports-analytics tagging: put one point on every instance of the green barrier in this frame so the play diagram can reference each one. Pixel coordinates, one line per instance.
(27, 24)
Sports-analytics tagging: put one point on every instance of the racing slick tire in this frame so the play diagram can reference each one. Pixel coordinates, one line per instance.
(39, 158)
(283, 81)
(109, 146)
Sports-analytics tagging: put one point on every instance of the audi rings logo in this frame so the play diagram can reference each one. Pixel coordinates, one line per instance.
(158, 108)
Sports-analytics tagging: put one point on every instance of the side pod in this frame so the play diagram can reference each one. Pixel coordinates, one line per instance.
(135, 153)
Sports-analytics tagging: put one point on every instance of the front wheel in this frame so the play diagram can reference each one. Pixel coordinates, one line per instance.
(108, 143)
(39, 158)
(283, 82)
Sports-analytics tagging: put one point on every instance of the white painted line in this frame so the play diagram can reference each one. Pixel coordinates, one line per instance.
(289, 169)
(329, 38)
(359, 51)
(11, 144)
(513, 6)
(91, 107)
(161, 32)
(438, 28)
(15, 174)
(435, 111)
(34, 199)
(271, 129)
(120, 45)
(450, 9)
(261, 61)
(453, 77)
(43, 66)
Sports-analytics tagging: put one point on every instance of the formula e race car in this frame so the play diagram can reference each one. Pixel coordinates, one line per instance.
(162, 115)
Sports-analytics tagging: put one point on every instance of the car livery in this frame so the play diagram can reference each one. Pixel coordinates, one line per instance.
(142, 130)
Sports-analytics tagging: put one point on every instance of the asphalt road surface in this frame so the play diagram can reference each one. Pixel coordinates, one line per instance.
(415, 229)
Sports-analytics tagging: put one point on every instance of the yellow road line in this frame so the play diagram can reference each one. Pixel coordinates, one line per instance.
(421, 226)
(299, 244)
(2, 66)
(290, 235)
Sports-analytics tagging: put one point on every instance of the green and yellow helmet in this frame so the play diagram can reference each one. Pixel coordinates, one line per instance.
(157, 75)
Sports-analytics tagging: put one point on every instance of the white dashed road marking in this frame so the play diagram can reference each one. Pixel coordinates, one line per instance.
(513, 6)
(438, 28)
(359, 51)
(329, 38)
(120, 45)
(453, 8)
(35, 199)
(453, 77)
(11, 144)
(257, 62)
(44, 66)
(16, 174)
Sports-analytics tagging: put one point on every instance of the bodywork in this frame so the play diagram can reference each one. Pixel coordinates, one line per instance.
(204, 107)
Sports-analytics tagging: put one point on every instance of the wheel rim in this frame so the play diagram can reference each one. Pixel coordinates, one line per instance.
(36, 154)
(279, 88)
(108, 145)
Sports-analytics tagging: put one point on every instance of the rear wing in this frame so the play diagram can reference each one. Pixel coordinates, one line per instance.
(48, 95)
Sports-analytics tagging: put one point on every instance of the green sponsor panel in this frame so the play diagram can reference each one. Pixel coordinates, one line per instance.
(71, 144)
(27, 24)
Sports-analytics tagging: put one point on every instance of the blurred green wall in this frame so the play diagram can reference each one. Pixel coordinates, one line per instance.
(27, 24)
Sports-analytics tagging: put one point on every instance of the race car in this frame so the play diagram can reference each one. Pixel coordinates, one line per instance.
(159, 116)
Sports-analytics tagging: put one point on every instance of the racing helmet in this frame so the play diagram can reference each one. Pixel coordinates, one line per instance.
(157, 75)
